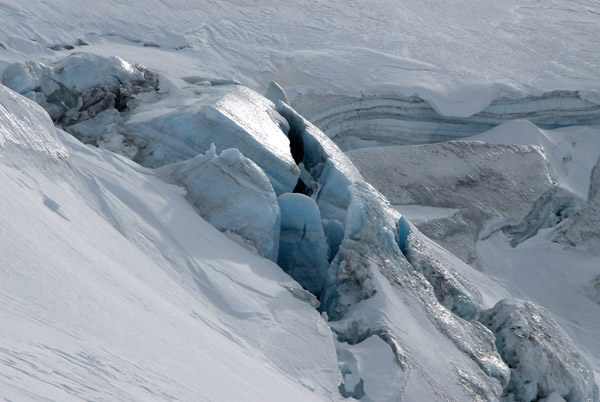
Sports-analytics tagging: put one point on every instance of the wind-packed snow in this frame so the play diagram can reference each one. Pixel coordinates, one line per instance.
(477, 52)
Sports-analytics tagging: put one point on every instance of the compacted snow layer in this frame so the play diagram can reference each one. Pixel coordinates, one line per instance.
(378, 120)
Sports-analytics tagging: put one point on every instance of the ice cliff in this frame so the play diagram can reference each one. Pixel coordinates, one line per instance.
(377, 120)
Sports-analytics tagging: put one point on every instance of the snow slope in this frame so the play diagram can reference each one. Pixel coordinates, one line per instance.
(114, 288)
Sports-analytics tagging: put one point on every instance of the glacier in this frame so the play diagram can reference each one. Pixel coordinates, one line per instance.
(108, 270)
(304, 204)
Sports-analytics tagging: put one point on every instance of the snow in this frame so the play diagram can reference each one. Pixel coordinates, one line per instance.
(477, 51)
(114, 287)
(233, 194)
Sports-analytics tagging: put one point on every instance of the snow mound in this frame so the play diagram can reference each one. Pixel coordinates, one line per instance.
(233, 194)
(27, 129)
(541, 355)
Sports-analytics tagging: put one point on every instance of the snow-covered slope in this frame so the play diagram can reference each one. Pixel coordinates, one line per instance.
(114, 288)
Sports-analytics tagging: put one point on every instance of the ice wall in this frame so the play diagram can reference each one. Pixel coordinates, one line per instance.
(378, 120)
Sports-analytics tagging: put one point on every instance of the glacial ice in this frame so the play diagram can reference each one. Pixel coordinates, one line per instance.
(227, 116)
(541, 355)
(83, 91)
(233, 194)
(341, 239)
(302, 244)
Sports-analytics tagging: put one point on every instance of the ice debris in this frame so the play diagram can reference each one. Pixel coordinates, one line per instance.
(542, 357)
(80, 88)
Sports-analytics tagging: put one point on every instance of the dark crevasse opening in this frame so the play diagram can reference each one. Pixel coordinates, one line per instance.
(296, 144)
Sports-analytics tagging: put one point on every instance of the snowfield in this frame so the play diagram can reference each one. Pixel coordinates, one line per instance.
(410, 212)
